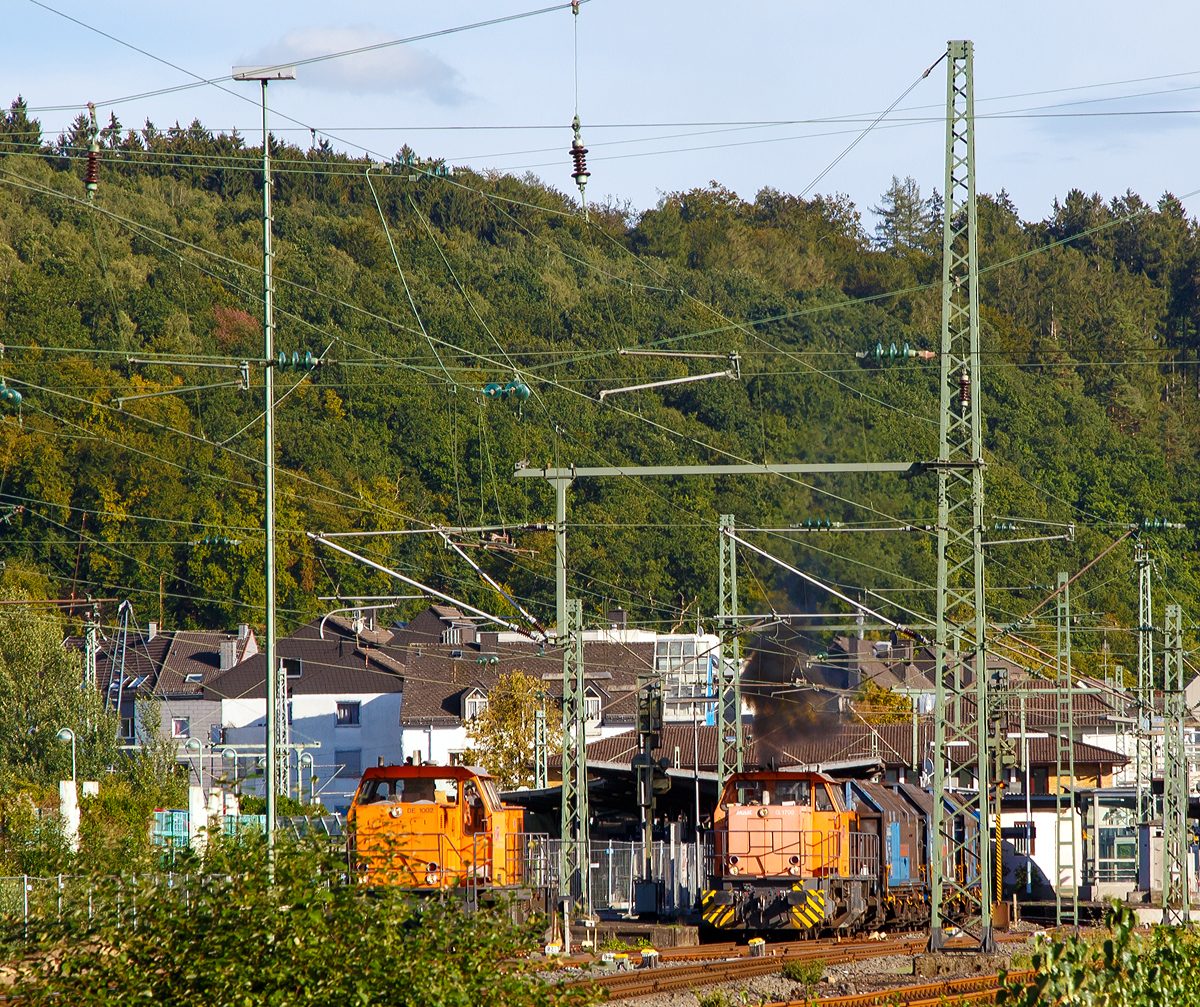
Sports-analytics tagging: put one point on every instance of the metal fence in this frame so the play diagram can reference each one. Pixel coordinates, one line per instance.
(616, 866)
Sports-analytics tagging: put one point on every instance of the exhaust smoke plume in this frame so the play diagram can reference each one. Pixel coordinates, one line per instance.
(784, 716)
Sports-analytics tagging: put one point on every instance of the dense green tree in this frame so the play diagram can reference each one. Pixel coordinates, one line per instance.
(1090, 384)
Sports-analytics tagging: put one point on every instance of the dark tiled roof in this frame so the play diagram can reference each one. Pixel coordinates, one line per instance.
(164, 661)
(196, 652)
(337, 664)
(436, 682)
(849, 742)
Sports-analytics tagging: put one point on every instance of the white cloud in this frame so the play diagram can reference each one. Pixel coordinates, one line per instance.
(396, 68)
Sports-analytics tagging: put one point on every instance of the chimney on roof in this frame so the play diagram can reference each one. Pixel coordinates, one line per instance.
(151, 631)
(228, 653)
(489, 642)
(618, 618)
(243, 630)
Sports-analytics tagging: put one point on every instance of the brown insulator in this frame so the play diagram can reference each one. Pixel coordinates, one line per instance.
(579, 155)
(91, 179)
(964, 386)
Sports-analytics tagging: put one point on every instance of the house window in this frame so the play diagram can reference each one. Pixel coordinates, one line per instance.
(474, 705)
(181, 727)
(1040, 782)
(194, 677)
(591, 706)
(127, 728)
(348, 763)
(452, 636)
(347, 714)
(292, 666)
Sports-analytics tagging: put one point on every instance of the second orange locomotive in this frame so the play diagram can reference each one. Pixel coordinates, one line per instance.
(800, 851)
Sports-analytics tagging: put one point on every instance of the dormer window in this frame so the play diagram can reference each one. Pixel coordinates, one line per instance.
(591, 705)
(474, 703)
(452, 636)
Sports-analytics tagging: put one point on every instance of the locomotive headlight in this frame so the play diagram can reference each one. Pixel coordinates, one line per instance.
(793, 870)
(793, 860)
(734, 860)
(431, 878)
(431, 867)
(397, 811)
(733, 870)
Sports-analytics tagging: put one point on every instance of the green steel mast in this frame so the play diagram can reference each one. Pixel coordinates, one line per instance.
(958, 871)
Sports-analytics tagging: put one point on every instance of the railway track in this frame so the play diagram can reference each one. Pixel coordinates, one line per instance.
(974, 988)
(669, 977)
(685, 968)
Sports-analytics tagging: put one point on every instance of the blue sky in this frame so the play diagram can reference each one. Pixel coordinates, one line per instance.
(662, 64)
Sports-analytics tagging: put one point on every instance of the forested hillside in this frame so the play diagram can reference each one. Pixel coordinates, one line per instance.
(1091, 386)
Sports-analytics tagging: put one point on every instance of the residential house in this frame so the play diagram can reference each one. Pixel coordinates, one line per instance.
(156, 680)
(453, 664)
(345, 689)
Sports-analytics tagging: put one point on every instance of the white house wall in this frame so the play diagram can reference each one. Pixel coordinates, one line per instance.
(435, 744)
(377, 736)
(1044, 825)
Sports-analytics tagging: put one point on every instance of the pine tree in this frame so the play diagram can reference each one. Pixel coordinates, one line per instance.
(905, 218)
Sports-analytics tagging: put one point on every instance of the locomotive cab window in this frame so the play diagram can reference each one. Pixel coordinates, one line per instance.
(475, 813)
(491, 793)
(409, 792)
(793, 792)
(749, 792)
(823, 801)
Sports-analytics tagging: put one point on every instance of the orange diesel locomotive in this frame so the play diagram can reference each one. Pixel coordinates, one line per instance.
(789, 855)
(436, 829)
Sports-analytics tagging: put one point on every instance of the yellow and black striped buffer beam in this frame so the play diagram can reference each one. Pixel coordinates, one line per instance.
(712, 913)
(811, 912)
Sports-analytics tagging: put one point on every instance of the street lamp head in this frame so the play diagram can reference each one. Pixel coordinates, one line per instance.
(65, 735)
(193, 745)
(264, 73)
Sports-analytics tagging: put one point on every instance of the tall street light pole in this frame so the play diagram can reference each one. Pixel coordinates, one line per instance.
(276, 699)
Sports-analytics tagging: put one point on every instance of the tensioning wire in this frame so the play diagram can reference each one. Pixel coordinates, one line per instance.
(408, 293)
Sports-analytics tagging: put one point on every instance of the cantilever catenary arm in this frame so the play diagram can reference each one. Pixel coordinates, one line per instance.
(898, 626)
(507, 597)
(317, 537)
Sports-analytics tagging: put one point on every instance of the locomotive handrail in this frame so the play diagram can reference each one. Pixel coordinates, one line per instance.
(864, 854)
(473, 865)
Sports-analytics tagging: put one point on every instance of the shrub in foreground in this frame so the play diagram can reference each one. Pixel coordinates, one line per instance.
(226, 937)
(1125, 969)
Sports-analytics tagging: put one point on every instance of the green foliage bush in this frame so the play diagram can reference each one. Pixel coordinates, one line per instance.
(284, 805)
(805, 973)
(226, 937)
(1126, 969)
(39, 694)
